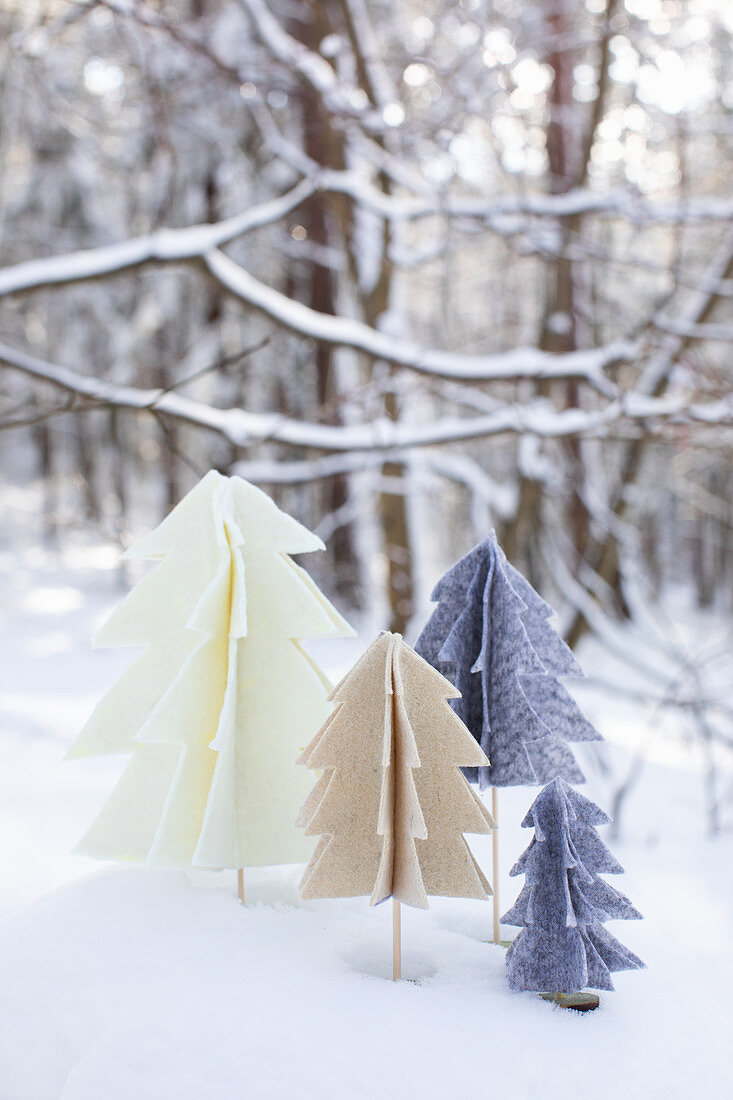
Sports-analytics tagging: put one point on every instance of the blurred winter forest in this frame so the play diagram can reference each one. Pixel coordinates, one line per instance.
(416, 267)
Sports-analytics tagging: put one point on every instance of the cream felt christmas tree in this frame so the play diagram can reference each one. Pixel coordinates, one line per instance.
(391, 806)
(223, 697)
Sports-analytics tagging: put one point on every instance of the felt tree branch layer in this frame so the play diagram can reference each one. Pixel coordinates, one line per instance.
(391, 806)
(490, 636)
(563, 945)
(212, 733)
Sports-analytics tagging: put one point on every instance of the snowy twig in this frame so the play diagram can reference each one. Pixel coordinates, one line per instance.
(658, 371)
(691, 331)
(364, 40)
(581, 200)
(337, 97)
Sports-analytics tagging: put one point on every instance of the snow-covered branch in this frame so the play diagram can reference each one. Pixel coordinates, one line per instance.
(348, 332)
(449, 465)
(582, 200)
(364, 40)
(192, 242)
(337, 97)
(246, 429)
(692, 331)
(300, 471)
(660, 367)
(163, 246)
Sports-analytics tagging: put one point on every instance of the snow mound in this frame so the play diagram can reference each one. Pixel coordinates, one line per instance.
(134, 985)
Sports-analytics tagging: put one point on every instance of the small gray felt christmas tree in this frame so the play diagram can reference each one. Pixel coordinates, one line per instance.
(563, 946)
(491, 637)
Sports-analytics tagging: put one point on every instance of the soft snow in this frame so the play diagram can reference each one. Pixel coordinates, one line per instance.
(129, 985)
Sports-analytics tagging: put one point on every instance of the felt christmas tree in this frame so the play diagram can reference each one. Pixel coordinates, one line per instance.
(563, 946)
(392, 806)
(490, 635)
(223, 697)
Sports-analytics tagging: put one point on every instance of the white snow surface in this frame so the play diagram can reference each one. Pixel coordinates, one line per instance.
(137, 986)
(125, 984)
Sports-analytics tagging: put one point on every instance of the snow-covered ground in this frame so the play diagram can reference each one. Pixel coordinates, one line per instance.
(128, 985)
(135, 986)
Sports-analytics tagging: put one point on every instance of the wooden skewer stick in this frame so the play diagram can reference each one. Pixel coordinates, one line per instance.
(396, 942)
(240, 884)
(495, 860)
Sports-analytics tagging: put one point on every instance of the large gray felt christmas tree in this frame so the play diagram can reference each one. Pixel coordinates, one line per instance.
(491, 637)
(563, 946)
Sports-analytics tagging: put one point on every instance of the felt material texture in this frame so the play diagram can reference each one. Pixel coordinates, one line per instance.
(490, 635)
(391, 806)
(212, 734)
(563, 946)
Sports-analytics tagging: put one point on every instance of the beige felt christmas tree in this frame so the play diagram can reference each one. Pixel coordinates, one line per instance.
(391, 806)
(223, 697)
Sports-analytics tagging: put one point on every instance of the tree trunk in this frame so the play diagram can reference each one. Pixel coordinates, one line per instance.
(44, 449)
(327, 145)
(86, 445)
(393, 495)
(559, 334)
(324, 144)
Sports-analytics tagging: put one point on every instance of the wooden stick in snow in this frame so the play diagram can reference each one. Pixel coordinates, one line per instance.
(240, 885)
(495, 862)
(396, 941)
